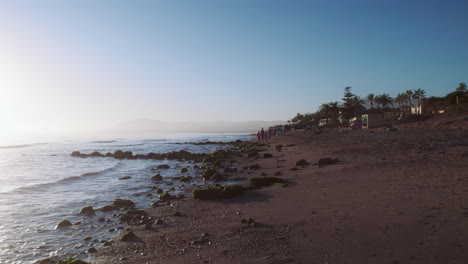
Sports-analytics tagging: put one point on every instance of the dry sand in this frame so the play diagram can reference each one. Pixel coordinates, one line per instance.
(396, 197)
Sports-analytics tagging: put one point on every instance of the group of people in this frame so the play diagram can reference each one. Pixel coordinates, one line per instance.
(265, 135)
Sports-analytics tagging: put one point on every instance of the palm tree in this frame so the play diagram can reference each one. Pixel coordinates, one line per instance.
(418, 94)
(334, 107)
(370, 98)
(325, 108)
(400, 99)
(384, 100)
(409, 93)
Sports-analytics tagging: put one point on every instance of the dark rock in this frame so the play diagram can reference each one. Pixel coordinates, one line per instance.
(157, 177)
(253, 154)
(87, 210)
(278, 173)
(267, 155)
(76, 154)
(46, 261)
(247, 221)
(78, 223)
(166, 196)
(159, 222)
(125, 178)
(164, 166)
(265, 181)
(92, 250)
(254, 167)
(217, 192)
(327, 161)
(72, 261)
(278, 147)
(302, 162)
(183, 170)
(108, 208)
(229, 170)
(263, 174)
(294, 169)
(128, 236)
(159, 191)
(121, 203)
(87, 238)
(177, 214)
(64, 223)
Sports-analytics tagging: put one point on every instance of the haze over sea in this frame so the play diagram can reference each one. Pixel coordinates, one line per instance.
(42, 185)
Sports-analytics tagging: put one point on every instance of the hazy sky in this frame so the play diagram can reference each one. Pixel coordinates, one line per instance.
(68, 65)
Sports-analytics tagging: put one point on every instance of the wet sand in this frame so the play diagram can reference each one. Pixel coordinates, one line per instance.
(396, 197)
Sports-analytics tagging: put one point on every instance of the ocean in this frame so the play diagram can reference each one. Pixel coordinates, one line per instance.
(41, 185)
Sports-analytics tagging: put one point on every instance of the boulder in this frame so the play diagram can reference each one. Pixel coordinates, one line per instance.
(229, 170)
(108, 208)
(72, 261)
(265, 181)
(157, 177)
(46, 261)
(302, 162)
(63, 224)
(92, 250)
(125, 177)
(327, 161)
(128, 236)
(75, 154)
(164, 166)
(254, 167)
(121, 203)
(247, 221)
(166, 196)
(221, 192)
(183, 170)
(278, 147)
(87, 210)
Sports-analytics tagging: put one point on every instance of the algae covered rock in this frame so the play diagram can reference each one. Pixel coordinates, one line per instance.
(221, 192)
(166, 196)
(265, 181)
(72, 261)
(63, 224)
(247, 221)
(87, 210)
(164, 166)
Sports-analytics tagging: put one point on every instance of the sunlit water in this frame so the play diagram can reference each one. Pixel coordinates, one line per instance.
(41, 184)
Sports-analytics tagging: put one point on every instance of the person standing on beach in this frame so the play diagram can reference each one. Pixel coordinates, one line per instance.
(266, 135)
(258, 136)
(262, 134)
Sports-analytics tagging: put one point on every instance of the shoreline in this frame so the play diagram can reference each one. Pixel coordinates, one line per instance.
(393, 197)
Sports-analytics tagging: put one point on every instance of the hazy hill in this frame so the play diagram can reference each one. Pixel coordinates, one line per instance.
(148, 125)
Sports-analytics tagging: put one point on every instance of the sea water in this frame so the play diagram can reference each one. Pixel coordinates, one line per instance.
(41, 185)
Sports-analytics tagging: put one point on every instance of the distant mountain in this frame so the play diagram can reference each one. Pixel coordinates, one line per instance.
(149, 125)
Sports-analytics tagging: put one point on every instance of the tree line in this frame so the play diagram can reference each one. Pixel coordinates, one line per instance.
(353, 105)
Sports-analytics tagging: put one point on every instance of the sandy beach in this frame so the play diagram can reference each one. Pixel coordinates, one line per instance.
(393, 197)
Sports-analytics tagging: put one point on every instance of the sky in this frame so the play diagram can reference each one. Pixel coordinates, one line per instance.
(83, 65)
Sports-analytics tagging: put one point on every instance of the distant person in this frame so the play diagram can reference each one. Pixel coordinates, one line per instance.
(262, 134)
(258, 136)
(266, 135)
